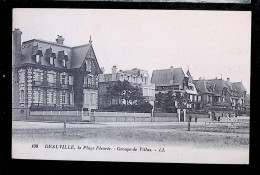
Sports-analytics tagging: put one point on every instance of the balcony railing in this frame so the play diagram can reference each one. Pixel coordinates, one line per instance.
(37, 83)
(90, 86)
(220, 103)
(49, 84)
(66, 86)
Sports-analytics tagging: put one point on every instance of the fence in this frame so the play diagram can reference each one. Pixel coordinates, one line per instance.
(229, 124)
(110, 116)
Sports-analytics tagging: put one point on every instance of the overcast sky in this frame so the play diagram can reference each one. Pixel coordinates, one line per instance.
(210, 43)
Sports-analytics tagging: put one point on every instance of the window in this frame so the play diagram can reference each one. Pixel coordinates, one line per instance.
(51, 61)
(37, 96)
(92, 99)
(22, 96)
(50, 78)
(63, 79)
(145, 92)
(38, 76)
(71, 98)
(64, 63)
(89, 81)
(37, 58)
(199, 98)
(85, 80)
(70, 80)
(51, 97)
(63, 98)
(88, 66)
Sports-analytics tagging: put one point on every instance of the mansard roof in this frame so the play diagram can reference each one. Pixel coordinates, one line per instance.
(74, 56)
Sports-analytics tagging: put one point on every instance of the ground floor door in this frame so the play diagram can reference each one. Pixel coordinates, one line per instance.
(85, 114)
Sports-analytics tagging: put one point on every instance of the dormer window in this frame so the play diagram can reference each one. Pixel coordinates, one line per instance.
(88, 66)
(37, 58)
(62, 58)
(37, 54)
(51, 61)
(64, 63)
(50, 56)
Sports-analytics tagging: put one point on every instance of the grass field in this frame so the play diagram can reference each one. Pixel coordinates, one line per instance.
(163, 134)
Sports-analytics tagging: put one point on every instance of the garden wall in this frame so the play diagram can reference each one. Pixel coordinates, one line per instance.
(20, 113)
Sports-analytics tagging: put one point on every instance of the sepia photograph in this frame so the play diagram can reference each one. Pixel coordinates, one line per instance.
(131, 85)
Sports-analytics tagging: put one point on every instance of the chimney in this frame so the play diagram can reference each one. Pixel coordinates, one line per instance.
(60, 39)
(114, 68)
(171, 68)
(103, 70)
(228, 79)
(17, 40)
(17, 46)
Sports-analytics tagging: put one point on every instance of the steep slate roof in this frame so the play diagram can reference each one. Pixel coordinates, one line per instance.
(79, 54)
(200, 86)
(163, 77)
(240, 88)
(218, 85)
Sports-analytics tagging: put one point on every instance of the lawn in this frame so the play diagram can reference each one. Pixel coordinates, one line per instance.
(154, 134)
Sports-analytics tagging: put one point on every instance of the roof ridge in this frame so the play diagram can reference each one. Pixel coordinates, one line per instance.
(45, 41)
(80, 45)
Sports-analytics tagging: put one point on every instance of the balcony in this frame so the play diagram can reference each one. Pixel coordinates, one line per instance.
(49, 84)
(220, 104)
(38, 83)
(89, 86)
(66, 86)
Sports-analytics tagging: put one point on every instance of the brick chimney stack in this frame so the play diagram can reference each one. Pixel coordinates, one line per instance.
(60, 39)
(114, 70)
(17, 46)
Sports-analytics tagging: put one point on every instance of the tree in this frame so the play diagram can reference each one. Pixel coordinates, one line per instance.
(169, 102)
(159, 103)
(124, 91)
(182, 99)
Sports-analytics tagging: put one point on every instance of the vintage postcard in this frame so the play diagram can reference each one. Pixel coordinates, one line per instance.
(131, 85)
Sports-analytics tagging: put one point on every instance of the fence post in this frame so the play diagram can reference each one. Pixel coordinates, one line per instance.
(189, 125)
(42, 112)
(64, 127)
(116, 116)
